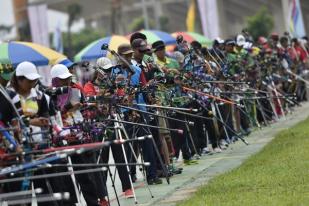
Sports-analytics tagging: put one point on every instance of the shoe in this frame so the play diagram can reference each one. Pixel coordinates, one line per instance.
(223, 147)
(190, 162)
(174, 170)
(205, 151)
(224, 143)
(128, 193)
(133, 177)
(154, 181)
(161, 174)
(217, 150)
(103, 202)
(234, 139)
(246, 132)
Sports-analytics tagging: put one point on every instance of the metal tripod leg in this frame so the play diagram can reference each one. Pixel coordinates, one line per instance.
(134, 155)
(158, 154)
(119, 136)
(110, 175)
(262, 111)
(77, 191)
(197, 156)
(224, 128)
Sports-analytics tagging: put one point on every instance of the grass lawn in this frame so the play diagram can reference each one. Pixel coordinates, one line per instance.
(278, 175)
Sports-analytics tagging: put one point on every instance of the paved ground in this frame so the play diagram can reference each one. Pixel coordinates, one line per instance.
(182, 186)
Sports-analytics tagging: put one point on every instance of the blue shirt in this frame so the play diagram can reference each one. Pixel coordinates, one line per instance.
(134, 78)
(134, 82)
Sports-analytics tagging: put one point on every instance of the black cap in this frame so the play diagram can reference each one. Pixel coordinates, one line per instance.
(140, 44)
(137, 35)
(230, 42)
(158, 45)
(196, 45)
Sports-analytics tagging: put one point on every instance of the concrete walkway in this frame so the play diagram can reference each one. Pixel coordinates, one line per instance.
(185, 184)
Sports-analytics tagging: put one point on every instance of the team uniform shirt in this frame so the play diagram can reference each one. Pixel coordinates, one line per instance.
(36, 104)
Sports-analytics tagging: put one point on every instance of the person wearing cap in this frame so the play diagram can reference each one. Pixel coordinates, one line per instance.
(23, 83)
(143, 61)
(245, 59)
(288, 52)
(218, 48)
(69, 105)
(148, 69)
(233, 69)
(274, 40)
(249, 71)
(70, 102)
(33, 106)
(231, 58)
(168, 65)
(6, 72)
(180, 141)
(7, 114)
(119, 75)
(100, 78)
(72, 66)
(125, 67)
(8, 117)
(135, 80)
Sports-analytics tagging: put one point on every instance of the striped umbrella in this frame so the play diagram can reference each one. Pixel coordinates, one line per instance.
(193, 36)
(155, 35)
(15, 52)
(94, 51)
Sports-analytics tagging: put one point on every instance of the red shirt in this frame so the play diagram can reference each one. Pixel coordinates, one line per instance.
(301, 53)
(78, 86)
(90, 89)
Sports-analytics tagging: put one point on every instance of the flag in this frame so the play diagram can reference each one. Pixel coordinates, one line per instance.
(191, 17)
(39, 24)
(57, 39)
(209, 16)
(295, 19)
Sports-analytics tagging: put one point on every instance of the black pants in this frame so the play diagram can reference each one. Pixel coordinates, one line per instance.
(118, 156)
(92, 184)
(226, 113)
(180, 141)
(197, 133)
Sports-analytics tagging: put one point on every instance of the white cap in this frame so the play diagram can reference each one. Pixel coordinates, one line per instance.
(60, 71)
(219, 40)
(28, 70)
(240, 40)
(248, 45)
(104, 62)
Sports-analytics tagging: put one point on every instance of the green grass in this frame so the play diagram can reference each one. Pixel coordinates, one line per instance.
(278, 175)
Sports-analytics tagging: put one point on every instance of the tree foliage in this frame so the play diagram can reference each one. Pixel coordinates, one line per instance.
(74, 11)
(138, 24)
(261, 23)
(81, 40)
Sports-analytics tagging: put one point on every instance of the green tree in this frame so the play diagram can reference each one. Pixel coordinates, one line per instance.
(4, 30)
(164, 22)
(80, 40)
(74, 11)
(260, 24)
(138, 24)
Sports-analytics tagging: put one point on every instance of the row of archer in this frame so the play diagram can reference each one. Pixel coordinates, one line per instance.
(157, 110)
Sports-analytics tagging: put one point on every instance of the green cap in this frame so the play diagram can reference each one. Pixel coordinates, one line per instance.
(6, 71)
